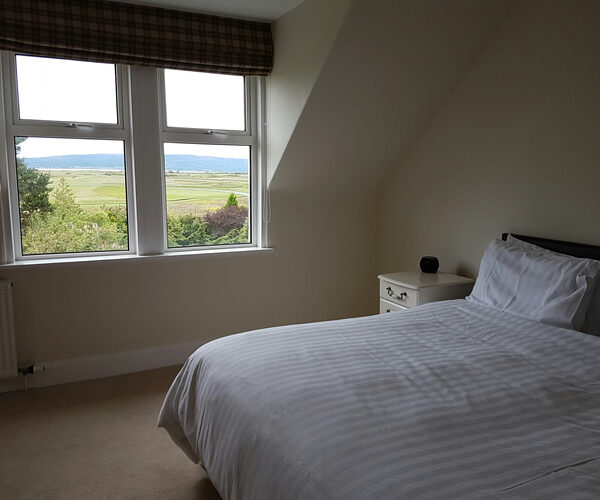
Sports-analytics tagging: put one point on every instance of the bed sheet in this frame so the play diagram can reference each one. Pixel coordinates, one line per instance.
(448, 400)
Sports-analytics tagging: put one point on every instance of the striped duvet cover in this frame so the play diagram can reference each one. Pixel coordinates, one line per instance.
(448, 400)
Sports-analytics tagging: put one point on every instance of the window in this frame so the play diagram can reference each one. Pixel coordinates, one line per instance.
(207, 194)
(72, 195)
(61, 90)
(67, 148)
(207, 150)
(217, 101)
(105, 159)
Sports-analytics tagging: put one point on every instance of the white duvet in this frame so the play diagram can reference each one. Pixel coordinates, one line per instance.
(448, 400)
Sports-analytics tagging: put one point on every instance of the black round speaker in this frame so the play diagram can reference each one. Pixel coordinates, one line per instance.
(429, 264)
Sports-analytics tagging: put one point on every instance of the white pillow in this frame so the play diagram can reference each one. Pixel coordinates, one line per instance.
(541, 285)
(591, 323)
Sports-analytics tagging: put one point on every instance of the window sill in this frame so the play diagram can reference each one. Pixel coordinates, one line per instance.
(103, 259)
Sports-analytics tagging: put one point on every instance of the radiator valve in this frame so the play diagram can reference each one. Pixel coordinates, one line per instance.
(31, 369)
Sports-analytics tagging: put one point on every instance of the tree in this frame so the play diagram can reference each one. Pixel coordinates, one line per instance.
(64, 198)
(34, 193)
(232, 201)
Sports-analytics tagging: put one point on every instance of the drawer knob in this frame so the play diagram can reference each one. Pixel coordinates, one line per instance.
(390, 292)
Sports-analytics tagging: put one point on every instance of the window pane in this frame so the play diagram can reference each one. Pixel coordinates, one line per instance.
(61, 90)
(72, 195)
(208, 195)
(204, 100)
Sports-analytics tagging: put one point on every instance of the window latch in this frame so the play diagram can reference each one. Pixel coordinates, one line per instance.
(78, 125)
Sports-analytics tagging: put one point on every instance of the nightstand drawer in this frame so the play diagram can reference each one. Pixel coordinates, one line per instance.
(385, 306)
(413, 288)
(397, 294)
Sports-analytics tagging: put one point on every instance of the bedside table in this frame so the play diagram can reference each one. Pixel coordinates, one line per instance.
(399, 291)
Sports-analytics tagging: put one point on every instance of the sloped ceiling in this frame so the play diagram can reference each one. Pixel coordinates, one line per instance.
(302, 41)
(391, 67)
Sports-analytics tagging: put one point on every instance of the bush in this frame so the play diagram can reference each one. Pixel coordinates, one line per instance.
(118, 216)
(186, 230)
(174, 231)
(221, 222)
(235, 236)
(69, 228)
(191, 230)
(65, 227)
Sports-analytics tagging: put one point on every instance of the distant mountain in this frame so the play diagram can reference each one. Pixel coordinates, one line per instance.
(102, 161)
(181, 163)
(191, 163)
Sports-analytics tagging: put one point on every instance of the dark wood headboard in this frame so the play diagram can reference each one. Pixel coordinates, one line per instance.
(566, 247)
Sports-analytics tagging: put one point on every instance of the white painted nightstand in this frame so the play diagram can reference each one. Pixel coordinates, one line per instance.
(398, 291)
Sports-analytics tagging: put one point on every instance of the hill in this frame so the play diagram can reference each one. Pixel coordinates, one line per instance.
(179, 163)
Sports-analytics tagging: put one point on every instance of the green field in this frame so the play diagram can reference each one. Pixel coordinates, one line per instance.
(187, 193)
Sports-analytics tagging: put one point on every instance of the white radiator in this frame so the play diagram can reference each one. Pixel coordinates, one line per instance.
(8, 348)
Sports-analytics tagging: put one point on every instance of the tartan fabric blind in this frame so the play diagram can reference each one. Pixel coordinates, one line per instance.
(106, 31)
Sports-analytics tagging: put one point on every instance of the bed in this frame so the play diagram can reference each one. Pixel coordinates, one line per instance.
(452, 399)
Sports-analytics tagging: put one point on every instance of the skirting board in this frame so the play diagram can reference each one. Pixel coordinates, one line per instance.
(104, 365)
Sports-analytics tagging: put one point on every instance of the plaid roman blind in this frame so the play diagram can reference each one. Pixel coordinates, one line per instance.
(106, 31)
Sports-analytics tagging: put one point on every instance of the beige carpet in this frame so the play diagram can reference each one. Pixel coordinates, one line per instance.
(94, 440)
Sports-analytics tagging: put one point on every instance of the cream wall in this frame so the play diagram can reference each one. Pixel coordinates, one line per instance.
(514, 148)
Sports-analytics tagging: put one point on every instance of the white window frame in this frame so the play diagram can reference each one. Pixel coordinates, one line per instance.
(17, 127)
(246, 137)
(143, 129)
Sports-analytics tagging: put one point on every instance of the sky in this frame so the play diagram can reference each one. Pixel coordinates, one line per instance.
(57, 89)
(76, 91)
